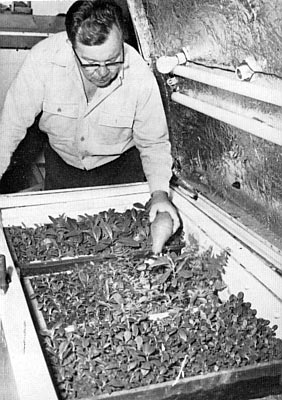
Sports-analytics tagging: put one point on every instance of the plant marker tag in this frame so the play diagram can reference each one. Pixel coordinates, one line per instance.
(155, 317)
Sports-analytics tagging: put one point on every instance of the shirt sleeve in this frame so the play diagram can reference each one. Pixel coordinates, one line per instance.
(22, 104)
(151, 136)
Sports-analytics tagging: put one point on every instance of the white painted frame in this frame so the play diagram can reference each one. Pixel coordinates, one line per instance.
(246, 271)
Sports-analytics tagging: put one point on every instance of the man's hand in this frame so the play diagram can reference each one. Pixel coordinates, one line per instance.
(161, 203)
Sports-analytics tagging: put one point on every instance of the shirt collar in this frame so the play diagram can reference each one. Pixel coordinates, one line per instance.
(63, 55)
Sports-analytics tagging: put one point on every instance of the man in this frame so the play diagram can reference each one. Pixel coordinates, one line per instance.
(98, 103)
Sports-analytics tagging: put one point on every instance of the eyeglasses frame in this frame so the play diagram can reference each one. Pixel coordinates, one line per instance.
(108, 65)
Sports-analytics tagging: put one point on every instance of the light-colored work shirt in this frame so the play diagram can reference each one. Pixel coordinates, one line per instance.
(86, 135)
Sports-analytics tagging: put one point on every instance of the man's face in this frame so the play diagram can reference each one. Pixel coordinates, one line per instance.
(105, 60)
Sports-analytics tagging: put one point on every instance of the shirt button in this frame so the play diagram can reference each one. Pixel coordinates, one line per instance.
(82, 138)
(59, 109)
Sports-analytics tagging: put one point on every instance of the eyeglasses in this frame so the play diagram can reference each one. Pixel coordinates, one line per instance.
(96, 66)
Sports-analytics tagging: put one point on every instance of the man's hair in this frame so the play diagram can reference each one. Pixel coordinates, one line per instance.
(90, 22)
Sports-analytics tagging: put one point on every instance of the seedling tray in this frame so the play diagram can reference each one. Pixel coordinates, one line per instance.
(235, 384)
(49, 266)
(105, 307)
(64, 264)
(242, 383)
(105, 236)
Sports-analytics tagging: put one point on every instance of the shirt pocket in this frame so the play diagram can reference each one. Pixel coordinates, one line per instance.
(59, 109)
(116, 120)
(59, 119)
(114, 128)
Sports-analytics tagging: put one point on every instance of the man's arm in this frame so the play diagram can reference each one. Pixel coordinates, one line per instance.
(152, 139)
(21, 105)
(151, 135)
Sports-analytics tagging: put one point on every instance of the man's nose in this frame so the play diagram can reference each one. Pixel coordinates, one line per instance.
(103, 71)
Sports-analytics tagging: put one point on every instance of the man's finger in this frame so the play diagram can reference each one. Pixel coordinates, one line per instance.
(153, 213)
(176, 223)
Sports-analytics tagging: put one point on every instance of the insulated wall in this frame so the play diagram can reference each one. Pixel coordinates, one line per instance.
(225, 162)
